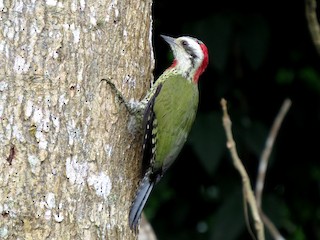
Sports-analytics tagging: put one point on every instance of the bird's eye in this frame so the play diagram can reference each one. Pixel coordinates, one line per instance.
(184, 43)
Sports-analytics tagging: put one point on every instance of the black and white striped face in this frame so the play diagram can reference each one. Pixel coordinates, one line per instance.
(189, 54)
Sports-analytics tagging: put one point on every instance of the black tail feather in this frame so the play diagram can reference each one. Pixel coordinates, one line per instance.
(139, 202)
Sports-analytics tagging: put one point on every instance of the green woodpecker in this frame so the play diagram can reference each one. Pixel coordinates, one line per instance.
(170, 108)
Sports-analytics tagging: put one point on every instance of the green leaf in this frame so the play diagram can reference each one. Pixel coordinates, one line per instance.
(208, 140)
(218, 39)
(229, 220)
(255, 136)
(285, 76)
(311, 77)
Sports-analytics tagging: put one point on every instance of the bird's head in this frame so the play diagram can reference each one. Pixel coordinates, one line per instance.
(190, 56)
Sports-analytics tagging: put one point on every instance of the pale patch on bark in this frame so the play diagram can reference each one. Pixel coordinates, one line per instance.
(101, 184)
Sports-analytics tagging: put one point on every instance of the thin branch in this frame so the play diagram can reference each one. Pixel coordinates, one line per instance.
(313, 24)
(248, 192)
(264, 160)
(271, 227)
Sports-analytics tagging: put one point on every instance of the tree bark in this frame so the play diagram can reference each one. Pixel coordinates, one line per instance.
(69, 160)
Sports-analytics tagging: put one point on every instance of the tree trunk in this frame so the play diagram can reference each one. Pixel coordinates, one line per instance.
(69, 161)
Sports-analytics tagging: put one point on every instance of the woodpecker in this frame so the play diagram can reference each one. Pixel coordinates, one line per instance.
(169, 108)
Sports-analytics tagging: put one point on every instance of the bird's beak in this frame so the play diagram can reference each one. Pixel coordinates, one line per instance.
(170, 40)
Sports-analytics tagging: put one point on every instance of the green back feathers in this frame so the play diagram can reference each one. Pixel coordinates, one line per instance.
(175, 108)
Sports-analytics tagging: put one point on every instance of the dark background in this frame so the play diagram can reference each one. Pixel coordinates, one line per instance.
(261, 52)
